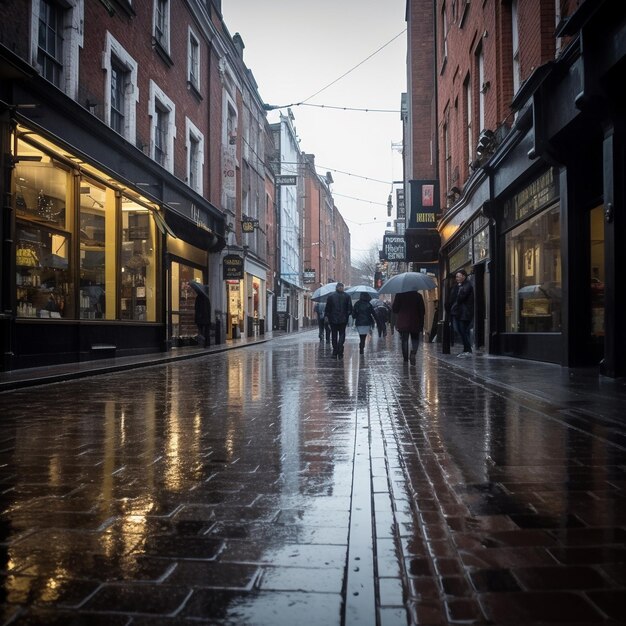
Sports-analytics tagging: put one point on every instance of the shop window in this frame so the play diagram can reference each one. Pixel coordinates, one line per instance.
(97, 251)
(533, 270)
(42, 243)
(138, 270)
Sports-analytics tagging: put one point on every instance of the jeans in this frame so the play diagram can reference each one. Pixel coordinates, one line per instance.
(463, 328)
(404, 342)
(338, 337)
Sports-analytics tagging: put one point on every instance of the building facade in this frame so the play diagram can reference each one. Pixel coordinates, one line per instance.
(530, 153)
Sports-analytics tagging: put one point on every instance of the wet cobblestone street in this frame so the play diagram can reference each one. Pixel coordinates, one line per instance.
(273, 485)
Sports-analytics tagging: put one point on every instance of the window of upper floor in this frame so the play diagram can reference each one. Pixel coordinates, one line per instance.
(162, 111)
(516, 67)
(161, 32)
(444, 27)
(193, 60)
(120, 90)
(56, 37)
(195, 156)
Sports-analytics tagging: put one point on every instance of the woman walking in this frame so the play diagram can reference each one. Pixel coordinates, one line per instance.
(363, 314)
(410, 310)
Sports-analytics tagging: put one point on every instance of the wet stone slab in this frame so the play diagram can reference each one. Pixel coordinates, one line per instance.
(230, 489)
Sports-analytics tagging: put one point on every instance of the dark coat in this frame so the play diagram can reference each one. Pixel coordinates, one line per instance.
(338, 307)
(363, 313)
(410, 311)
(462, 300)
(202, 311)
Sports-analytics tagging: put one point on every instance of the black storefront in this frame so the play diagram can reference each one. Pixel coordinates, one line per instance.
(91, 227)
(553, 191)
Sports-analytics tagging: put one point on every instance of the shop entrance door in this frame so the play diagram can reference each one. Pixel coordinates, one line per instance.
(183, 330)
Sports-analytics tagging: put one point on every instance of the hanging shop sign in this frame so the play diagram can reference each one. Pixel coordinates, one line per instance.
(248, 224)
(394, 248)
(233, 267)
(424, 203)
(400, 205)
(285, 180)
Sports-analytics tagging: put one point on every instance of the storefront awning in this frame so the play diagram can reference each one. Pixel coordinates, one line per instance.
(187, 230)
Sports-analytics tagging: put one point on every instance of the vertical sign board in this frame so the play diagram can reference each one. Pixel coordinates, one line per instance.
(424, 203)
(400, 205)
(422, 238)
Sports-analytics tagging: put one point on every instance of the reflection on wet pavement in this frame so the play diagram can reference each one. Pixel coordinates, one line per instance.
(262, 485)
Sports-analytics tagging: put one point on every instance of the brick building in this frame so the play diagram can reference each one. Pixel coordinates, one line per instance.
(522, 118)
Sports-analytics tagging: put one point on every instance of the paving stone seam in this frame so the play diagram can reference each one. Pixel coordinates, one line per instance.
(429, 468)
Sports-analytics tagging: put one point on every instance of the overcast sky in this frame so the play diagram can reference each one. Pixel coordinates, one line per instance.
(295, 48)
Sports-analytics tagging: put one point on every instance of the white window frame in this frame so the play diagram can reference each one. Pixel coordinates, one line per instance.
(73, 20)
(193, 134)
(480, 62)
(113, 48)
(516, 67)
(163, 41)
(157, 97)
(193, 73)
(469, 112)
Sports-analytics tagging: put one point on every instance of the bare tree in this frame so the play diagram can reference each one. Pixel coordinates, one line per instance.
(364, 267)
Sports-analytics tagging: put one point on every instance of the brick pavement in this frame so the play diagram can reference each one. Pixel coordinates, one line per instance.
(274, 485)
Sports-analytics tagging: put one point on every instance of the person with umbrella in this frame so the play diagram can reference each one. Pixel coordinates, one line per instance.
(462, 310)
(202, 312)
(363, 314)
(410, 311)
(338, 311)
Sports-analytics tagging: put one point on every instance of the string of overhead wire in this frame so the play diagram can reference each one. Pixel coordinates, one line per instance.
(341, 195)
(330, 106)
(270, 107)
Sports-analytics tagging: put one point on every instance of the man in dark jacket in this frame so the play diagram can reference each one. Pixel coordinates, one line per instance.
(462, 309)
(338, 311)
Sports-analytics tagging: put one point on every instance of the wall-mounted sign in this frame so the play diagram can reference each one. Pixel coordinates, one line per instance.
(308, 276)
(281, 304)
(394, 248)
(233, 267)
(286, 180)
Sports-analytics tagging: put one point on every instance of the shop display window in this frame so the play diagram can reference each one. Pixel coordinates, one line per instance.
(97, 260)
(42, 243)
(43, 285)
(138, 263)
(533, 269)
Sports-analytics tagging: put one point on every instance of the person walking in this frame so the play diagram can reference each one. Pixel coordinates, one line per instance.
(410, 311)
(364, 318)
(381, 314)
(202, 314)
(462, 310)
(338, 311)
(324, 328)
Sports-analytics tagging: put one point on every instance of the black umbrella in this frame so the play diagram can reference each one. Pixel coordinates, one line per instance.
(200, 289)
